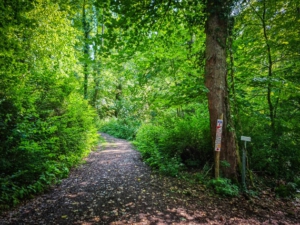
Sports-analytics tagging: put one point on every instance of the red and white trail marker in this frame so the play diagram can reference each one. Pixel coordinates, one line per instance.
(218, 135)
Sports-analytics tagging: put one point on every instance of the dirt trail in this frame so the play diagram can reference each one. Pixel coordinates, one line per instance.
(115, 187)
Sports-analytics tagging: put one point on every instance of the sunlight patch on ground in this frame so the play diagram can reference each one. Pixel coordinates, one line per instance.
(115, 151)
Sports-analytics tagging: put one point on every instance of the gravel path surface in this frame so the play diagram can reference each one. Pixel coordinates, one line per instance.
(114, 186)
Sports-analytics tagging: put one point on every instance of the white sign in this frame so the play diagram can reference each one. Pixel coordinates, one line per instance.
(244, 138)
(218, 135)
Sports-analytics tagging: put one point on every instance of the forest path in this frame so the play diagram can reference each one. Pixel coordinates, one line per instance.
(115, 187)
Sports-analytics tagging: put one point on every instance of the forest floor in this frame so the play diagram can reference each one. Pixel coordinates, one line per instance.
(114, 186)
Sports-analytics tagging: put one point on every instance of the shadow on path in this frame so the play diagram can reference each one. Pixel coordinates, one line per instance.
(115, 187)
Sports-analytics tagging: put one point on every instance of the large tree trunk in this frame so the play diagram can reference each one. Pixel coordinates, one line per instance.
(216, 82)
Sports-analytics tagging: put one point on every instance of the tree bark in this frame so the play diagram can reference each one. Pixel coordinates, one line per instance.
(216, 82)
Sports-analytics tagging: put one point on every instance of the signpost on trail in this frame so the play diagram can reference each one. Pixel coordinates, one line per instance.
(218, 142)
(245, 139)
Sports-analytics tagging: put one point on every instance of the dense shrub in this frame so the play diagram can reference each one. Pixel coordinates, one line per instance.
(38, 150)
(274, 155)
(125, 128)
(45, 125)
(148, 143)
(173, 143)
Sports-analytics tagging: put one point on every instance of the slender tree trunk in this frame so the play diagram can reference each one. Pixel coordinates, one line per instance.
(97, 62)
(118, 99)
(272, 107)
(216, 82)
(86, 32)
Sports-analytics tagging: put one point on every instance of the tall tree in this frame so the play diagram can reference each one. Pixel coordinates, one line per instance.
(218, 13)
(176, 28)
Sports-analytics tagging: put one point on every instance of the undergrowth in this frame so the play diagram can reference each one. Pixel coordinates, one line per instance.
(223, 186)
(172, 144)
(44, 148)
(125, 128)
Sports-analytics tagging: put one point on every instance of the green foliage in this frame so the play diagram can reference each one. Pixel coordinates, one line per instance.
(170, 144)
(297, 182)
(120, 128)
(170, 166)
(44, 149)
(224, 164)
(281, 161)
(286, 190)
(197, 176)
(267, 86)
(147, 142)
(45, 125)
(140, 70)
(223, 186)
(187, 138)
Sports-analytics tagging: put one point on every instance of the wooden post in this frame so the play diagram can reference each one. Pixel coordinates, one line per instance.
(218, 146)
(217, 164)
